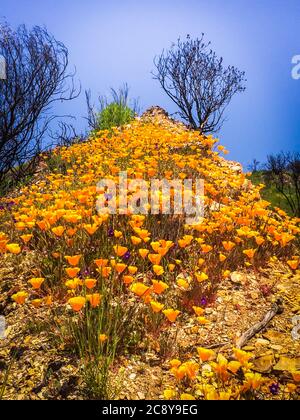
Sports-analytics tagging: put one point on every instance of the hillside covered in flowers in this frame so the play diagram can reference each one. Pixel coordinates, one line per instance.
(145, 306)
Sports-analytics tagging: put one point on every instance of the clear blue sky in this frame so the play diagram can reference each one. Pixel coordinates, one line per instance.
(115, 41)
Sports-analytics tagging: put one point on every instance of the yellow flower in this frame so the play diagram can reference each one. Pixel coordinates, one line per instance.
(183, 284)
(139, 289)
(253, 381)
(143, 252)
(154, 258)
(158, 270)
(90, 229)
(171, 314)
(201, 277)
(20, 297)
(135, 240)
(36, 302)
(175, 363)
(58, 231)
(186, 397)
(242, 356)
(250, 253)
(234, 366)
(169, 394)
(198, 310)
(132, 269)
(118, 234)
(156, 306)
(202, 320)
(13, 248)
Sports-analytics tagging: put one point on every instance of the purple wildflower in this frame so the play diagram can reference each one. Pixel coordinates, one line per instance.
(274, 388)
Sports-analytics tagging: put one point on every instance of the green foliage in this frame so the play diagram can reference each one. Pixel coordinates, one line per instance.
(270, 192)
(114, 115)
(113, 111)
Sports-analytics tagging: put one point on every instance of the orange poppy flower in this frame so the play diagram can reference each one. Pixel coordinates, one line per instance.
(158, 270)
(36, 282)
(26, 238)
(128, 279)
(58, 231)
(159, 286)
(154, 258)
(206, 248)
(201, 277)
(139, 289)
(120, 250)
(72, 271)
(77, 303)
(94, 299)
(101, 262)
(171, 314)
(143, 252)
(36, 302)
(73, 284)
(135, 240)
(156, 306)
(71, 232)
(206, 354)
(228, 245)
(104, 271)
(20, 297)
(198, 310)
(120, 267)
(90, 283)
(250, 253)
(296, 375)
(43, 225)
(132, 269)
(102, 338)
(293, 264)
(222, 257)
(259, 240)
(202, 320)
(171, 267)
(74, 260)
(90, 229)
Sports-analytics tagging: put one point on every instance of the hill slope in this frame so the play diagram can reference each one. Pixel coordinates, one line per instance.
(124, 305)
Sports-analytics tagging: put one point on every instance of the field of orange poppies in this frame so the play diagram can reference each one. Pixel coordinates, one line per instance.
(96, 303)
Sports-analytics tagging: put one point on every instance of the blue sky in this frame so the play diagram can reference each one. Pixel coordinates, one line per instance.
(116, 41)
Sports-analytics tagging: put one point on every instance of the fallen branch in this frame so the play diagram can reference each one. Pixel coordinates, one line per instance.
(251, 332)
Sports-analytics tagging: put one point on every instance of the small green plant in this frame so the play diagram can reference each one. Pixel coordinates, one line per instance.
(114, 115)
(113, 112)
